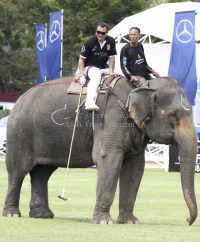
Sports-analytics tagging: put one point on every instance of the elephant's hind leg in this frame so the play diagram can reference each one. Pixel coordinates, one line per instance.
(11, 208)
(39, 206)
(130, 178)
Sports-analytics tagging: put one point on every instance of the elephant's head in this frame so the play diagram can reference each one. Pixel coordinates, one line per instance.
(170, 122)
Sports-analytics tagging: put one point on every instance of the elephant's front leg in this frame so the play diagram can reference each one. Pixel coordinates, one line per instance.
(39, 207)
(130, 178)
(109, 166)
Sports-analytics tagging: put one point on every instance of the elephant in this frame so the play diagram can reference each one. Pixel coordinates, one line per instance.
(39, 134)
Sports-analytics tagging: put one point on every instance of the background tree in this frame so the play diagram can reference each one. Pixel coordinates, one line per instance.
(81, 18)
(5, 112)
(18, 63)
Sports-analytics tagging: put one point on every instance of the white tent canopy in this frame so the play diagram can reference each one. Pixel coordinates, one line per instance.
(157, 21)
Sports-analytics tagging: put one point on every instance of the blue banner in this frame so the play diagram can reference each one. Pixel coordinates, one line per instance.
(183, 54)
(40, 50)
(53, 50)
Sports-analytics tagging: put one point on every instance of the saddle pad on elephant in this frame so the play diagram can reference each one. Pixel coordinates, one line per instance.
(75, 87)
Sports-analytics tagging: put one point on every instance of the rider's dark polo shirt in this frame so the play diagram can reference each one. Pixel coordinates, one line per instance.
(133, 62)
(93, 53)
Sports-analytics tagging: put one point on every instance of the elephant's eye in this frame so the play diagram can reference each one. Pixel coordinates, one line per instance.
(174, 117)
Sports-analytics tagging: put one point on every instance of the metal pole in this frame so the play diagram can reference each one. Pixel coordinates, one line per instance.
(61, 43)
(45, 45)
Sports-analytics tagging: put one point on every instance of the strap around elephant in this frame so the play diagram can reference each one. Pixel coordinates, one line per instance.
(123, 107)
(109, 89)
(105, 86)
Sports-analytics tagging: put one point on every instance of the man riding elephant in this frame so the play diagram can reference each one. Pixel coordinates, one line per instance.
(133, 61)
(94, 56)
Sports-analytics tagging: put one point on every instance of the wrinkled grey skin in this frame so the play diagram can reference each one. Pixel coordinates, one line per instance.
(39, 135)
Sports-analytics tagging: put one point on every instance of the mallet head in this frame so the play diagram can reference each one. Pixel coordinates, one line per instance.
(63, 198)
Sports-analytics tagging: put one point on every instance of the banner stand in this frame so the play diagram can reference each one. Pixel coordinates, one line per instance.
(61, 44)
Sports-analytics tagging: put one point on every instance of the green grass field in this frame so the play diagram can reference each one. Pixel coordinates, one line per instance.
(160, 208)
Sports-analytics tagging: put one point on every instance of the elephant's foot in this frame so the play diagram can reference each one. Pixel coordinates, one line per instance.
(40, 212)
(127, 219)
(100, 217)
(11, 212)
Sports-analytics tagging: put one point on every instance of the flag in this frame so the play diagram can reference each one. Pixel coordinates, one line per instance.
(183, 54)
(40, 50)
(53, 50)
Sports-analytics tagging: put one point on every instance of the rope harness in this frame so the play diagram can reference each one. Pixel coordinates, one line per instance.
(109, 90)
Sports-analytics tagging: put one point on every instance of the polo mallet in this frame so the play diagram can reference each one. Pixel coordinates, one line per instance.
(70, 151)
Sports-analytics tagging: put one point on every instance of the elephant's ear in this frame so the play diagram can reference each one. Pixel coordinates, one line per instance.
(140, 104)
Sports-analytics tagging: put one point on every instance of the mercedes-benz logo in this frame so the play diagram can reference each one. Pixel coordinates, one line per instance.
(184, 31)
(40, 40)
(55, 31)
(83, 49)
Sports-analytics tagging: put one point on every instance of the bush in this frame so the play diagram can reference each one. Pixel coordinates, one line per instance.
(5, 112)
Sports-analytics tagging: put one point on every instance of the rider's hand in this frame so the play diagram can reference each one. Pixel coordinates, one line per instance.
(155, 73)
(134, 79)
(82, 80)
(114, 74)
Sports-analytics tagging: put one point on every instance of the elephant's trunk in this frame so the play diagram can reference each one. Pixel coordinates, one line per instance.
(187, 145)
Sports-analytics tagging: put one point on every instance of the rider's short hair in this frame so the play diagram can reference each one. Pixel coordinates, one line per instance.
(103, 25)
(136, 29)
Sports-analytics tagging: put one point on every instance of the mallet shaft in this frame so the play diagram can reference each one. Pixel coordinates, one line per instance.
(70, 150)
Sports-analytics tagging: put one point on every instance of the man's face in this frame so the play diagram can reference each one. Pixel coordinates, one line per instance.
(101, 36)
(134, 37)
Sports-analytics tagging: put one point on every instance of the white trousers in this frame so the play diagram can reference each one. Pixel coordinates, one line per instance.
(94, 74)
